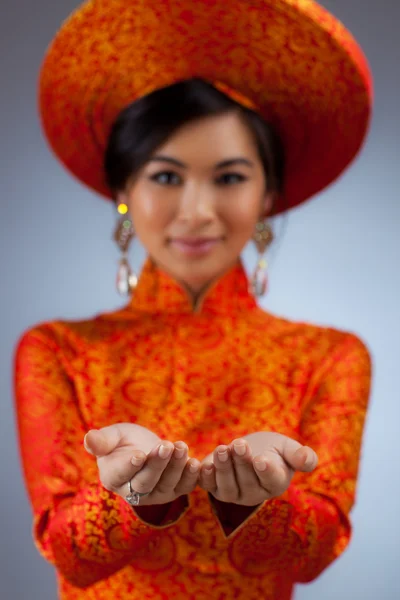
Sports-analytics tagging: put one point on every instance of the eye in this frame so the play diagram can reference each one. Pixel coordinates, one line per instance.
(231, 179)
(166, 178)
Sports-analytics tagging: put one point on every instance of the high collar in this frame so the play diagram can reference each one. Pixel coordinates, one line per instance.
(158, 292)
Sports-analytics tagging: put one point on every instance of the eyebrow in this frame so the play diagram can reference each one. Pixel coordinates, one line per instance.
(221, 165)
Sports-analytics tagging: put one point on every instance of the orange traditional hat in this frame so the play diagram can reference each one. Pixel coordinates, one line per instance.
(290, 60)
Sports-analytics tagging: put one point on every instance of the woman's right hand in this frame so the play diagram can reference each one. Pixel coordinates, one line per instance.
(128, 452)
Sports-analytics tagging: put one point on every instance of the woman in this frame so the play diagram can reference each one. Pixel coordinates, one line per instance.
(170, 448)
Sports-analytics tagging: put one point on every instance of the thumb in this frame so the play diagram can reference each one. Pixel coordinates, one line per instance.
(300, 458)
(101, 442)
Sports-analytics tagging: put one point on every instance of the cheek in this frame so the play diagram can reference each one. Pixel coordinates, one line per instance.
(146, 209)
(241, 215)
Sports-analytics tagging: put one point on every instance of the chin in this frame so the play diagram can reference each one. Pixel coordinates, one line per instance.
(197, 274)
(196, 271)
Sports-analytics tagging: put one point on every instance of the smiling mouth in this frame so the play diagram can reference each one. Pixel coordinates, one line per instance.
(194, 246)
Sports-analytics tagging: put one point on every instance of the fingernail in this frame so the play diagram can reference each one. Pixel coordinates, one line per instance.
(194, 467)
(240, 448)
(86, 446)
(223, 455)
(260, 465)
(208, 470)
(137, 460)
(164, 451)
(309, 461)
(179, 452)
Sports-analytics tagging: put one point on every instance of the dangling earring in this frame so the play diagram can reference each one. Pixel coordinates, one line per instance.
(262, 237)
(123, 235)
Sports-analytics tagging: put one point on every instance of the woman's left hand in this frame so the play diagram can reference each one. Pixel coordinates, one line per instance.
(255, 468)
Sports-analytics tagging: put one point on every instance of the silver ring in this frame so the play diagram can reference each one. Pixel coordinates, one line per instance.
(133, 498)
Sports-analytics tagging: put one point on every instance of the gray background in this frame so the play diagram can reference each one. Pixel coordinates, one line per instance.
(336, 263)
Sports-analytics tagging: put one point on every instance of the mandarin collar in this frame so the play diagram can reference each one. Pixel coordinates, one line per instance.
(158, 292)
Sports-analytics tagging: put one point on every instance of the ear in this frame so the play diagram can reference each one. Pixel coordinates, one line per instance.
(122, 202)
(267, 204)
(121, 198)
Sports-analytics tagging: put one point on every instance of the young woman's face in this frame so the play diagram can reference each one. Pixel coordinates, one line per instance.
(196, 202)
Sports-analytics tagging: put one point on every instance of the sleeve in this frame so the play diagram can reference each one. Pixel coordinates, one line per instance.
(85, 531)
(307, 527)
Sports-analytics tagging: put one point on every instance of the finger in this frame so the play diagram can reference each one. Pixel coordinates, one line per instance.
(147, 478)
(207, 478)
(225, 477)
(101, 442)
(246, 477)
(305, 459)
(116, 470)
(172, 473)
(273, 475)
(189, 477)
(297, 456)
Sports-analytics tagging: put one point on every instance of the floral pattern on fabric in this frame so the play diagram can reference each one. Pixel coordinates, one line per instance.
(207, 377)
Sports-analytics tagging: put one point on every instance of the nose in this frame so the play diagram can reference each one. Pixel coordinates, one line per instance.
(197, 205)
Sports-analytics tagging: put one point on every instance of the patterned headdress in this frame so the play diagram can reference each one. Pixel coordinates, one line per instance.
(290, 60)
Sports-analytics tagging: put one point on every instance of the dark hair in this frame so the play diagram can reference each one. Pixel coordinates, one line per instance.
(147, 123)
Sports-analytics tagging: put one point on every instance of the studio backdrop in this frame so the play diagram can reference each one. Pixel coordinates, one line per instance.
(335, 263)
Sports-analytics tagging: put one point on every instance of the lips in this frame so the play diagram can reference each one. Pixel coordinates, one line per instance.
(194, 241)
(194, 246)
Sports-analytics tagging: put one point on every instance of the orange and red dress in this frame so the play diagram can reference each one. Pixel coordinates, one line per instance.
(205, 376)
